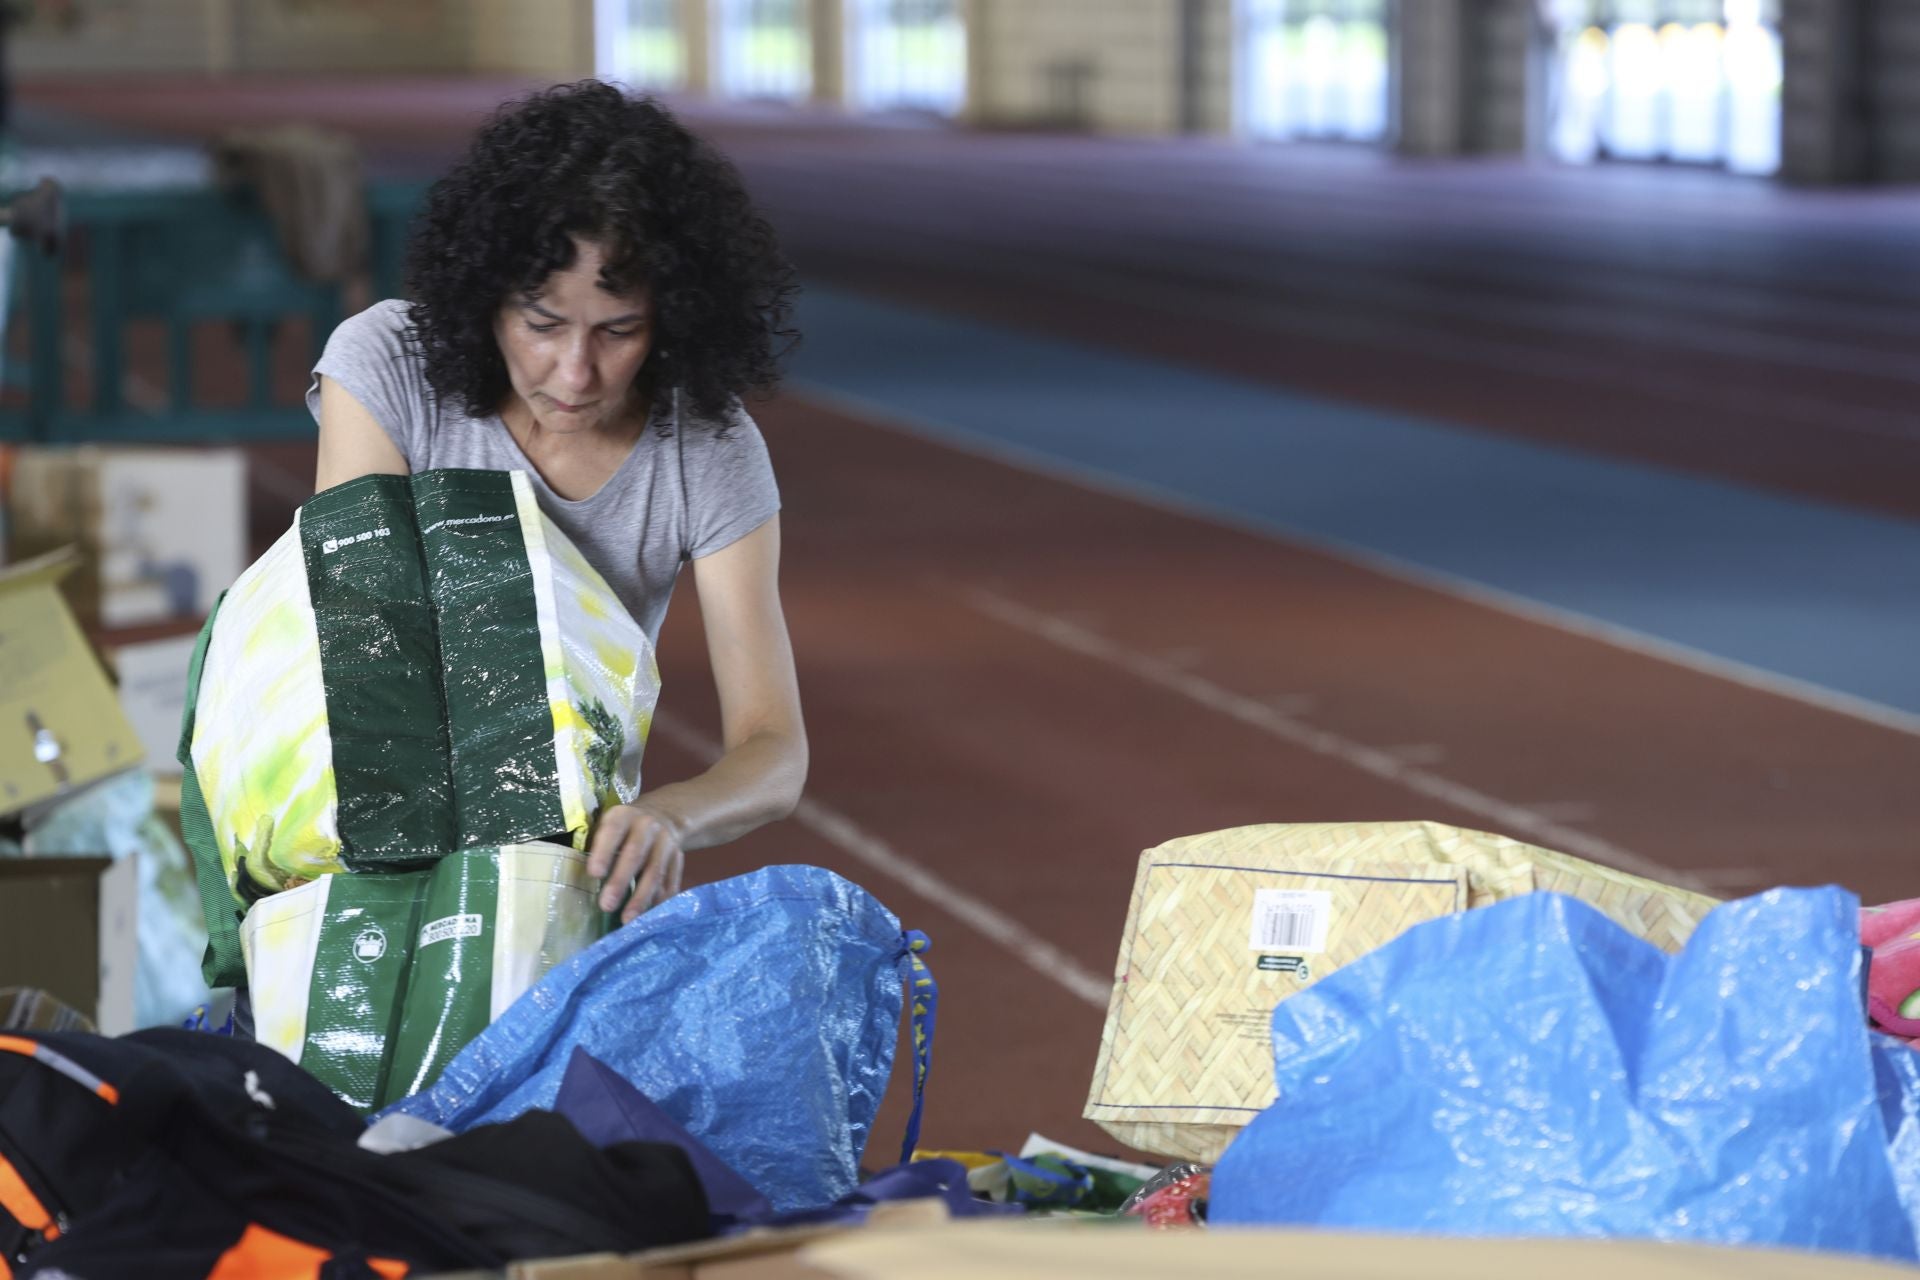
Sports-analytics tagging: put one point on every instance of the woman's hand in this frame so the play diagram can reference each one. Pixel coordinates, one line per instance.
(639, 850)
(634, 845)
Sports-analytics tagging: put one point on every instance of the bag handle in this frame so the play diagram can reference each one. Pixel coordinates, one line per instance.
(923, 998)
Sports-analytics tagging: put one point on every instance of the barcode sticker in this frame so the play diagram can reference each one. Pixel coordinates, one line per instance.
(460, 926)
(1291, 920)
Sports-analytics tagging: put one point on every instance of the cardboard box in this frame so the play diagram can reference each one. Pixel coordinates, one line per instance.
(759, 1255)
(1072, 1249)
(61, 726)
(770, 1256)
(1067, 1251)
(1224, 926)
(153, 694)
(163, 531)
(69, 926)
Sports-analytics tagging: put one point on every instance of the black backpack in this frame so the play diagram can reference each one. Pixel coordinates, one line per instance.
(182, 1154)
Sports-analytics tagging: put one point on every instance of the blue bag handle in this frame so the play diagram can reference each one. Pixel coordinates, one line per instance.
(201, 1020)
(923, 996)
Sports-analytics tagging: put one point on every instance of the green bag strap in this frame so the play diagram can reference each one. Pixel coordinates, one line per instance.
(223, 964)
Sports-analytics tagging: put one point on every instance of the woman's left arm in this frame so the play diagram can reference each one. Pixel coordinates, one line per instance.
(759, 778)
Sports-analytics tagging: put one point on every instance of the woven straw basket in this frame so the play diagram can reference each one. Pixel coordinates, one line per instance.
(1224, 926)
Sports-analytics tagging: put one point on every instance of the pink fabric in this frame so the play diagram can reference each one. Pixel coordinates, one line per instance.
(1892, 932)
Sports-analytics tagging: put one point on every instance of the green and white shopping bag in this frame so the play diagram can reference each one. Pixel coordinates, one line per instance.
(374, 982)
(419, 665)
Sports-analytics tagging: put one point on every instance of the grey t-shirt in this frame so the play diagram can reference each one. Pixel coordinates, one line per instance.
(684, 492)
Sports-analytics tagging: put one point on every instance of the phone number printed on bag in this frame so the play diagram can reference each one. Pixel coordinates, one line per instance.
(1291, 920)
(461, 926)
(332, 545)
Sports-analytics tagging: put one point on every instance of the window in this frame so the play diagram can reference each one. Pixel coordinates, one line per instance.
(642, 43)
(1694, 81)
(1313, 68)
(908, 54)
(762, 48)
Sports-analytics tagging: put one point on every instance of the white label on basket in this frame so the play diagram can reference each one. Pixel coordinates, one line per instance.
(1291, 920)
(463, 926)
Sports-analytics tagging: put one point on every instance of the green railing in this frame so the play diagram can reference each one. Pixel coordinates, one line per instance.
(186, 258)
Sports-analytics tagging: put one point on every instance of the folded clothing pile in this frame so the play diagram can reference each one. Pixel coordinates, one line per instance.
(176, 1155)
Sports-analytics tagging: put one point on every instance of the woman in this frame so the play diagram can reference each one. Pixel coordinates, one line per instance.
(592, 293)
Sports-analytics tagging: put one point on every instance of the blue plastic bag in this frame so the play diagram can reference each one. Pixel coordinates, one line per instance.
(760, 1013)
(1531, 1068)
(1896, 1068)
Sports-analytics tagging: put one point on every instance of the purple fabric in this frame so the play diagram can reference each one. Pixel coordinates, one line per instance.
(921, 1179)
(606, 1109)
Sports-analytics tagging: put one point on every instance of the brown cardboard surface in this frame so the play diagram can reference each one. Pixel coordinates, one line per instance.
(762, 1256)
(759, 1255)
(1055, 1251)
(780, 1264)
(68, 927)
(772, 1266)
(61, 726)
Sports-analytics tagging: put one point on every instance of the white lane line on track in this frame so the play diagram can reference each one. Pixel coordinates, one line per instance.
(844, 834)
(973, 444)
(1506, 817)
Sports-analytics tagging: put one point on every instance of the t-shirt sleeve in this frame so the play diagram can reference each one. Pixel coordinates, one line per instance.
(730, 485)
(369, 356)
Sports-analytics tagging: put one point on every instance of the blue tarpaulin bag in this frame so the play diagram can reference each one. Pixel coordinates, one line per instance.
(760, 1013)
(1530, 1068)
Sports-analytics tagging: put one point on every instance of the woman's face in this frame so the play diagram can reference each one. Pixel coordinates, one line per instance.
(574, 351)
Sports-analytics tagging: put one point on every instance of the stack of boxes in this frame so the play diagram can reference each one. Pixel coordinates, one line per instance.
(114, 552)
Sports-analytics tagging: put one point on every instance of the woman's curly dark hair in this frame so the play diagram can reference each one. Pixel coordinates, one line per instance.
(670, 212)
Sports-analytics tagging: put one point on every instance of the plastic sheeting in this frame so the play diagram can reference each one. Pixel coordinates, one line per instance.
(1533, 1069)
(760, 1013)
(1896, 1070)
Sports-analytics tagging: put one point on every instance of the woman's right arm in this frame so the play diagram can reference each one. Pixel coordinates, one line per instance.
(352, 443)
